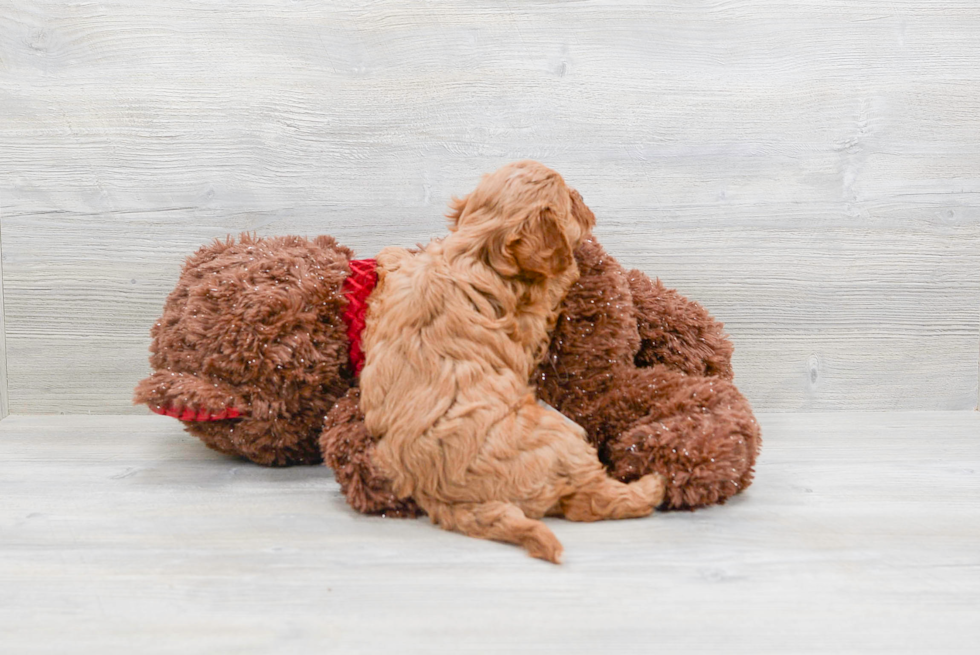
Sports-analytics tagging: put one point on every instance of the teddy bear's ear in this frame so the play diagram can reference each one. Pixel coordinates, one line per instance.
(540, 247)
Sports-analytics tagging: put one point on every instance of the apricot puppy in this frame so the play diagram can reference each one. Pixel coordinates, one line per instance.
(453, 333)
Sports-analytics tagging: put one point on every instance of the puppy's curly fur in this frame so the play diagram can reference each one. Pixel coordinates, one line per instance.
(454, 331)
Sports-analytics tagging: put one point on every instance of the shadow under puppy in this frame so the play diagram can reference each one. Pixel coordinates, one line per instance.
(453, 334)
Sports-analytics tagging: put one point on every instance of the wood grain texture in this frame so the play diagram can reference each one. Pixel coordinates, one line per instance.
(806, 170)
(4, 396)
(123, 534)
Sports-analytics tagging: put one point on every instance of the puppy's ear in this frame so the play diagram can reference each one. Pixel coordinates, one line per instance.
(540, 246)
(456, 206)
(581, 211)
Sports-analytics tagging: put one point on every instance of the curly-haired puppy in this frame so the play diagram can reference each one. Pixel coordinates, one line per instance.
(453, 332)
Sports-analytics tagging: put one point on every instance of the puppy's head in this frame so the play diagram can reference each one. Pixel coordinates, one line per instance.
(524, 220)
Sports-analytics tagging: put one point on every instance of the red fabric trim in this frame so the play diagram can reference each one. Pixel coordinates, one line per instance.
(190, 414)
(357, 287)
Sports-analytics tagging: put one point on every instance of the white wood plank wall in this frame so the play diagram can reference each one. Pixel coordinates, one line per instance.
(809, 170)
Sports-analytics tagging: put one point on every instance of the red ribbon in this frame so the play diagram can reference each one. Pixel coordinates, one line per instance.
(357, 287)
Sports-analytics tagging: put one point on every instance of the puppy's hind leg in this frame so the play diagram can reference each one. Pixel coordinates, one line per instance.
(601, 497)
(499, 521)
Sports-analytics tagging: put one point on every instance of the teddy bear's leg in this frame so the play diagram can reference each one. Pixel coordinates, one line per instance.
(216, 413)
(698, 432)
(347, 448)
(678, 332)
(174, 393)
(208, 410)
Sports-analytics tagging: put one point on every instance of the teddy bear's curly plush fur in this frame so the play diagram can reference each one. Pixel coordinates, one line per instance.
(254, 330)
(645, 371)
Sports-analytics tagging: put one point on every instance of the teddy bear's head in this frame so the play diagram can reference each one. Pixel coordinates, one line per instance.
(251, 351)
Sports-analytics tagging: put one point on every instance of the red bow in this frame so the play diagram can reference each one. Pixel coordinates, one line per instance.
(357, 287)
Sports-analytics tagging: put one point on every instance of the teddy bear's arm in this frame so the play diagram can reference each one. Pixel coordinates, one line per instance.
(678, 332)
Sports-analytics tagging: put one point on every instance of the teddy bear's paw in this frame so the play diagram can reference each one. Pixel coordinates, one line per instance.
(703, 461)
(190, 398)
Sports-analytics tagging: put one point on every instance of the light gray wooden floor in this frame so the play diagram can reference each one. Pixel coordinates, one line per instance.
(122, 534)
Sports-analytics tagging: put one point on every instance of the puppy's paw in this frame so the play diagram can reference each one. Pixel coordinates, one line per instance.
(653, 487)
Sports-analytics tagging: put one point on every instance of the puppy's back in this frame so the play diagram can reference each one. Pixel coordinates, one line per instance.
(438, 371)
(401, 379)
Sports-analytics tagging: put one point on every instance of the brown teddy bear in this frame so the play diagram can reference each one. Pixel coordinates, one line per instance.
(252, 352)
(645, 371)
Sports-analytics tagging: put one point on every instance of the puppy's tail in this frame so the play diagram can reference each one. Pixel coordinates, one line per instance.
(499, 521)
